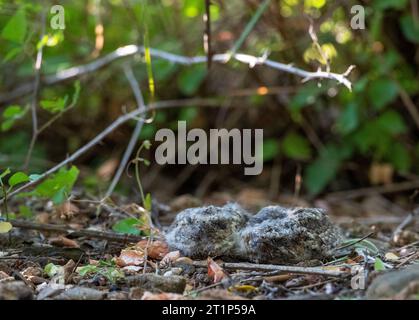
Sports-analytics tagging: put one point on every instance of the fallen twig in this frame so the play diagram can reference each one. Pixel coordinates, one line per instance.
(106, 235)
(272, 267)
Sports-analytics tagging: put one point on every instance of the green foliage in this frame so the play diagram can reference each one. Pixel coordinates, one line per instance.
(379, 265)
(10, 115)
(128, 226)
(349, 119)
(319, 173)
(58, 187)
(270, 149)
(54, 106)
(25, 212)
(16, 28)
(296, 147)
(381, 92)
(410, 28)
(361, 245)
(191, 78)
(17, 178)
(108, 269)
(51, 269)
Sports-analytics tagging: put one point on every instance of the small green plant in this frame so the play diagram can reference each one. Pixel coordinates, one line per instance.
(57, 188)
(14, 180)
(140, 225)
(108, 269)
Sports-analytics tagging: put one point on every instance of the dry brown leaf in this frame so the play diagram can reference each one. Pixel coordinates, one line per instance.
(170, 257)
(215, 271)
(62, 241)
(130, 258)
(381, 173)
(155, 249)
(42, 218)
(69, 269)
(278, 278)
(67, 210)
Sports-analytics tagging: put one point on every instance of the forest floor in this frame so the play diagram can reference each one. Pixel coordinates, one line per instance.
(71, 252)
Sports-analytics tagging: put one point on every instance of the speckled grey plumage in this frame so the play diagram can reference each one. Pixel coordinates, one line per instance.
(274, 235)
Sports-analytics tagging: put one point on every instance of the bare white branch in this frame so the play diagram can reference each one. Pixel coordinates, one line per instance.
(131, 50)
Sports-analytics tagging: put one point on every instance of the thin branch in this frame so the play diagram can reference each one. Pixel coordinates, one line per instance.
(137, 130)
(131, 50)
(37, 80)
(272, 267)
(114, 125)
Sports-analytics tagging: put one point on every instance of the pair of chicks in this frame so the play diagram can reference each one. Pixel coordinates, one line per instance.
(274, 235)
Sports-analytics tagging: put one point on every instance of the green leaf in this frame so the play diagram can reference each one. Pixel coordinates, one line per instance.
(54, 106)
(18, 177)
(391, 122)
(58, 187)
(4, 173)
(6, 125)
(379, 265)
(5, 227)
(16, 27)
(319, 173)
(87, 269)
(12, 112)
(147, 202)
(348, 120)
(270, 150)
(296, 147)
(34, 177)
(382, 92)
(364, 244)
(51, 269)
(25, 212)
(191, 78)
(127, 226)
(410, 28)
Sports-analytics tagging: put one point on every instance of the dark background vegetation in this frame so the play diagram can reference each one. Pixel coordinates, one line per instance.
(333, 138)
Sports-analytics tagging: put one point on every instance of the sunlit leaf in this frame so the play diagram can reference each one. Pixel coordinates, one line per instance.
(16, 27)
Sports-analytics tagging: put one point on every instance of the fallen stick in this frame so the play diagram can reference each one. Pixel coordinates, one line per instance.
(105, 235)
(271, 267)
